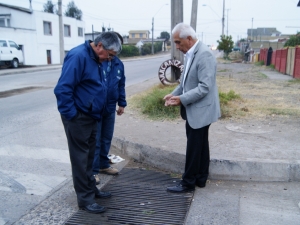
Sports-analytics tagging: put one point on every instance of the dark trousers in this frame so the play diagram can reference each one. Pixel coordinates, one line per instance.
(81, 134)
(197, 156)
(105, 131)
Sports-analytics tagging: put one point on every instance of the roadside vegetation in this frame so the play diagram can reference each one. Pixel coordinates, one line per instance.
(151, 103)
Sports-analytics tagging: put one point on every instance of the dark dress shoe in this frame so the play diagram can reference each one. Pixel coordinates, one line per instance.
(103, 194)
(94, 208)
(180, 189)
(201, 185)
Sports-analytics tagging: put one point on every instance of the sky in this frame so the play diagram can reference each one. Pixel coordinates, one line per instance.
(125, 15)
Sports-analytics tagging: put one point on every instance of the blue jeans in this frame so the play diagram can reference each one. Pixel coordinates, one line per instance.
(105, 130)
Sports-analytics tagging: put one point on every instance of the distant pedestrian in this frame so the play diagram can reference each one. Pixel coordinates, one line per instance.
(81, 97)
(197, 95)
(113, 70)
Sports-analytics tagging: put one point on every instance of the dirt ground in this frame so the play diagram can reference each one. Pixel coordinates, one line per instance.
(261, 97)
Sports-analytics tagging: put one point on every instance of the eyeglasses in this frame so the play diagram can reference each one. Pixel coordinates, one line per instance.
(108, 66)
(110, 56)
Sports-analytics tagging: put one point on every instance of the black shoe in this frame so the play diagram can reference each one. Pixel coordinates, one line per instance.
(201, 185)
(180, 188)
(103, 194)
(94, 208)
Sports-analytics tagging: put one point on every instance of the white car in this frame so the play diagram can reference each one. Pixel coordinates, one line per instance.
(10, 53)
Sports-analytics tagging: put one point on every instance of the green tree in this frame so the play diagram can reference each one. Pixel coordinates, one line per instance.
(49, 7)
(225, 44)
(73, 11)
(293, 41)
(165, 35)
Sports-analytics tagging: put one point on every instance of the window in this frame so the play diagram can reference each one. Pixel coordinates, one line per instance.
(133, 35)
(47, 28)
(141, 35)
(13, 44)
(80, 32)
(67, 30)
(3, 43)
(2, 22)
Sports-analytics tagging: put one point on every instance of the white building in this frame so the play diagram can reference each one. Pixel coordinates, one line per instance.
(38, 33)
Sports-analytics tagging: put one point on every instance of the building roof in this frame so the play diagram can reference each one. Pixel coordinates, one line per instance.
(263, 31)
(139, 31)
(16, 8)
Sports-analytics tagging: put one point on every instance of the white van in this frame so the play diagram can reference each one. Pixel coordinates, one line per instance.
(10, 53)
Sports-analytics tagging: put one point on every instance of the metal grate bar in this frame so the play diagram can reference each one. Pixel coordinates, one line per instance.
(139, 197)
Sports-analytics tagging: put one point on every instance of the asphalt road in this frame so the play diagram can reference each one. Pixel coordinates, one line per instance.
(34, 160)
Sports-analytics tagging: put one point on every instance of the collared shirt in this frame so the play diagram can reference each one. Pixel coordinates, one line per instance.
(188, 57)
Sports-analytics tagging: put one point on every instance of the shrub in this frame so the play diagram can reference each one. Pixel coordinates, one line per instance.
(129, 50)
(153, 106)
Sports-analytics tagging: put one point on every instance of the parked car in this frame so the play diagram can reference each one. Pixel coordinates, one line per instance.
(236, 49)
(10, 53)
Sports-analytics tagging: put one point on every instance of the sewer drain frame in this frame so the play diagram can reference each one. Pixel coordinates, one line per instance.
(139, 197)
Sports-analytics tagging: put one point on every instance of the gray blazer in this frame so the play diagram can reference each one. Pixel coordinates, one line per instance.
(200, 97)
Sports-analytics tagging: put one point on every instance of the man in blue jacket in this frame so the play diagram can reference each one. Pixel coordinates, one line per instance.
(113, 70)
(81, 97)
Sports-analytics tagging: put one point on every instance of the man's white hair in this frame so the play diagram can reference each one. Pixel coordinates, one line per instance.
(184, 30)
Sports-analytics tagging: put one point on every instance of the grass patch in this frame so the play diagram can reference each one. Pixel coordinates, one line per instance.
(152, 105)
(259, 63)
(227, 108)
(284, 112)
(263, 75)
(222, 70)
(272, 66)
(295, 81)
(229, 96)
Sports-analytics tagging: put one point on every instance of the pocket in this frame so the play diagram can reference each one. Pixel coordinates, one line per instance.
(203, 102)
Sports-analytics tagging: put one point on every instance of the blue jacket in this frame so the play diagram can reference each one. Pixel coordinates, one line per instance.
(81, 85)
(116, 86)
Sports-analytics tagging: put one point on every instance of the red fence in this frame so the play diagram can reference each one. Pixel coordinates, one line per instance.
(263, 55)
(283, 60)
(273, 57)
(277, 59)
(297, 63)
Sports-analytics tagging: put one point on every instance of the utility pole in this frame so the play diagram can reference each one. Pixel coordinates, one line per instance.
(194, 14)
(252, 30)
(227, 22)
(152, 48)
(223, 19)
(176, 17)
(61, 34)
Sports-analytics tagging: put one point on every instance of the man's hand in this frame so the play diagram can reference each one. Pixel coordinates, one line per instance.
(167, 98)
(175, 101)
(120, 111)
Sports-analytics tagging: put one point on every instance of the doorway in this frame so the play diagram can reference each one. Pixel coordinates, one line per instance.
(49, 56)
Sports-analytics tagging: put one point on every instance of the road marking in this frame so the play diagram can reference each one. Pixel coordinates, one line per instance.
(32, 184)
(54, 155)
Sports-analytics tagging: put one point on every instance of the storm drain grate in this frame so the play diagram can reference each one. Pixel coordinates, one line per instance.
(139, 197)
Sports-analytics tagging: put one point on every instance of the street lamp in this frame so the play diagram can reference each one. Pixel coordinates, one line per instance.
(152, 48)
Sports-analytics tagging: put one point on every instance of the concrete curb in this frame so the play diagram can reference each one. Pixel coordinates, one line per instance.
(264, 170)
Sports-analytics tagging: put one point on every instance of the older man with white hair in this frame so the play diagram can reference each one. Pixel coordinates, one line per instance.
(197, 95)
